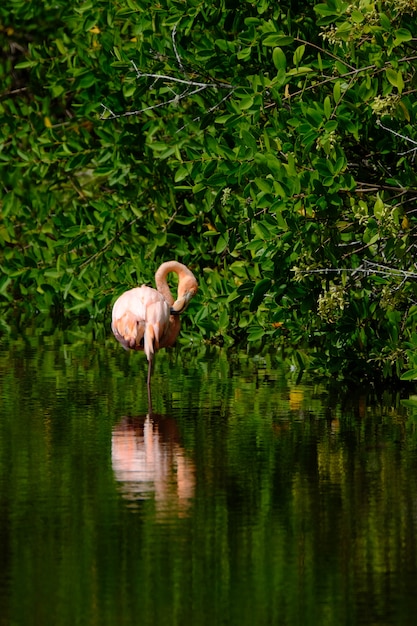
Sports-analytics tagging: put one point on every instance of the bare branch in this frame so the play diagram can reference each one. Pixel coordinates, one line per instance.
(177, 56)
(200, 86)
(112, 115)
(210, 110)
(173, 79)
(368, 268)
(393, 132)
(175, 99)
(192, 87)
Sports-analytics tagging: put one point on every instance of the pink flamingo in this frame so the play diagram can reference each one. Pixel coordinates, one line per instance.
(147, 319)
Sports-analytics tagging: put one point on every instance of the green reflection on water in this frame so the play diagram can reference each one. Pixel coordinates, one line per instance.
(244, 499)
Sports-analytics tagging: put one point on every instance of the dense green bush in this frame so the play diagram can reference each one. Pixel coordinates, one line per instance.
(268, 145)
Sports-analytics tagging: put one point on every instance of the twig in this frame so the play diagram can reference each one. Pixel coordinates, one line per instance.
(172, 79)
(177, 56)
(112, 115)
(333, 56)
(175, 99)
(390, 270)
(192, 87)
(367, 268)
(210, 110)
(393, 132)
(324, 81)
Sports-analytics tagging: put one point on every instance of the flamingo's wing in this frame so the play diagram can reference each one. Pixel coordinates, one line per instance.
(140, 317)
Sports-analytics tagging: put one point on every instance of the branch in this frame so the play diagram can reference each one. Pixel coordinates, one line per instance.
(175, 99)
(368, 268)
(177, 56)
(172, 79)
(192, 87)
(210, 110)
(393, 132)
(333, 56)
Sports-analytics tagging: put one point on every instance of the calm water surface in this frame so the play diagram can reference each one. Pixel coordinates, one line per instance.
(245, 498)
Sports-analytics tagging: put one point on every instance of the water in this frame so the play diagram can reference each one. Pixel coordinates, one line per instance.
(246, 497)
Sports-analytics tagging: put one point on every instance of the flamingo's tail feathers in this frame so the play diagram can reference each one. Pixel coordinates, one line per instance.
(128, 330)
(152, 335)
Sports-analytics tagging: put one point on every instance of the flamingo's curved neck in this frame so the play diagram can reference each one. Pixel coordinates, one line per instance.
(187, 284)
(161, 280)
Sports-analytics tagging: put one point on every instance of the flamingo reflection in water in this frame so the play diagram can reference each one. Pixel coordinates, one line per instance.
(149, 462)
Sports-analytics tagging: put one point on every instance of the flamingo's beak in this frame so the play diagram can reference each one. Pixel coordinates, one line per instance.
(181, 304)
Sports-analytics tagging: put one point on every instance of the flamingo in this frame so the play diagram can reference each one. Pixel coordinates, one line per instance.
(147, 319)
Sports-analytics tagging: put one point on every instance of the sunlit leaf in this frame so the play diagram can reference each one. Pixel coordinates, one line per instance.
(276, 39)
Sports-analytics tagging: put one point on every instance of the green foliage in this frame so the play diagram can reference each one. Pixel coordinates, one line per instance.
(268, 145)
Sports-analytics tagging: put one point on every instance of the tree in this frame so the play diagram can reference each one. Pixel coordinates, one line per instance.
(270, 147)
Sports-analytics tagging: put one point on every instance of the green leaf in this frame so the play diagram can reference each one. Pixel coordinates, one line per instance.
(409, 375)
(259, 292)
(298, 54)
(60, 45)
(327, 107)
(184, 220)
(356, 16)
(255, 333)
(395, 78)
(276, 39)
(246, 103)
(262, 231)
(337, 91)
(9, 202)
(180, 174)
(385, 22)
(279, 58)
(401, 35)
(327, 9)
(299, 71)
(222, 243)
(264, 184)
(26, 64)
(379, 207)
(245, 289)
